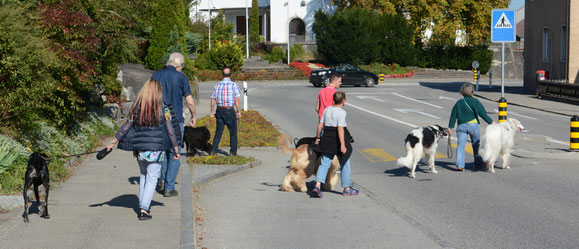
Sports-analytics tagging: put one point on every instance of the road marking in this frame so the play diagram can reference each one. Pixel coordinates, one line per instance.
(467, 147)
(416, 111)
(517, 114)
(377, 155)
(419, 101)
(449, 98)
(383, 116)
(370, 97)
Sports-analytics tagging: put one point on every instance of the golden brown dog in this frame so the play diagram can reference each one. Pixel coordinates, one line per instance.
(303, 164)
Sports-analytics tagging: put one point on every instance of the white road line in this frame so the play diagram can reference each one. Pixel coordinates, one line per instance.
(517, 114)
(419, 111)
(370, 97)
(449, 98)
(367, 93)
(419, 101)
(383, 116)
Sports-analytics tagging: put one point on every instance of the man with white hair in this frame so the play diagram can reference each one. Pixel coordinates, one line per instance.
(175, 86)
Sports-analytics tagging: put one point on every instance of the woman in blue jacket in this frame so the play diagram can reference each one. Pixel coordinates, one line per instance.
(148, 132)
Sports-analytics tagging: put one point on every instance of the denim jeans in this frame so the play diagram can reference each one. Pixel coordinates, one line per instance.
(325, 166)
(472, 129)
(170, 167)
(147, 183)
(225, 116)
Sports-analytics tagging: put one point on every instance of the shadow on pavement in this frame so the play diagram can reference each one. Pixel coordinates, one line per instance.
(126, 201)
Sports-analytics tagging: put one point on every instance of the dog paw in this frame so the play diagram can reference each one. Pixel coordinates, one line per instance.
(434, 171)
(26, 220)
(492, 171)
(508, 167)
(412, 175)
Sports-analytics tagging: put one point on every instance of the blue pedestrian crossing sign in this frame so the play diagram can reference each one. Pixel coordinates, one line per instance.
(503, 26)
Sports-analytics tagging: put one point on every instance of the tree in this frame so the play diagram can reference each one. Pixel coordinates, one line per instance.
(166, 15)
(443, 17)
(254, 24)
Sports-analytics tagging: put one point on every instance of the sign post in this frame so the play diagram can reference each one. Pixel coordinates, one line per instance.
(503, 31)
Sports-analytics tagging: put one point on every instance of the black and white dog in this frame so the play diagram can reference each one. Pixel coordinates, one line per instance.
(422, 139)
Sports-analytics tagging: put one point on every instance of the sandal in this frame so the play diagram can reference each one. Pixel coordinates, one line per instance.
(144, 215)
(317, 192)
(350, 191)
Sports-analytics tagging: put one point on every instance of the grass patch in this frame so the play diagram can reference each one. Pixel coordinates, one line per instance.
(221, 160)
(253, 130)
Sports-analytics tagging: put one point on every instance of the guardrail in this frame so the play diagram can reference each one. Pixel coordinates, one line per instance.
(557, 89)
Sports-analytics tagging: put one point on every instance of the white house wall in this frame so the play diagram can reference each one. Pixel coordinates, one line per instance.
(278, 13)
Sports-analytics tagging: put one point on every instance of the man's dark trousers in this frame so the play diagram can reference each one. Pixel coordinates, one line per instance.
(225, 116)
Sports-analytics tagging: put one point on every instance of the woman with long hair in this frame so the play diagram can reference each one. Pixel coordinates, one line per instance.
(148, 132)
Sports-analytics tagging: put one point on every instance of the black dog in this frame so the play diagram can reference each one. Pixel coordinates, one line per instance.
(304, 140)
(37, 174)
(197, 139)
(310, 141)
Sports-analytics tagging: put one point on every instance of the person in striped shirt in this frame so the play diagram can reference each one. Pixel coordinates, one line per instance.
(225, 97)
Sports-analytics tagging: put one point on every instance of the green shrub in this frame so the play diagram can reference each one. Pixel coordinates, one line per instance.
(167, 15)
(275, 55)
(296, 52)
(204, 61)
(452, 57)
(227, 54)
(193, 40)
(361, 37)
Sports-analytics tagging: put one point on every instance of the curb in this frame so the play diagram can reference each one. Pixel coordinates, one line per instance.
(8, 202)
(225, 170)
(529, 107)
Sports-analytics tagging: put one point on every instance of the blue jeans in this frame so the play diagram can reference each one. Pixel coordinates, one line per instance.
(225, 116)
(325, 166)
(472, 129)
(170, 167)
(147, 183)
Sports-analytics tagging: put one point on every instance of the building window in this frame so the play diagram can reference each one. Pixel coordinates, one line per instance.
(563, 43)
(545, 44)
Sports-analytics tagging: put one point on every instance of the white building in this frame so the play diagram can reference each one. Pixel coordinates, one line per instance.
(274, 17)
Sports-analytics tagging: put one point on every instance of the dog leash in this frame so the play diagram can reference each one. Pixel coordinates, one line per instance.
(77, 155)
(448, 148)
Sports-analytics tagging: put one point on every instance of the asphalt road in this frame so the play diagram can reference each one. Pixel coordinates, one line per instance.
(532, 205)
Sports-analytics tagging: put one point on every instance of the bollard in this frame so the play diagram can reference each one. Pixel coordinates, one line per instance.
(502, 110)
(491, 78)
(245, 96)
(574, 140)
(381, 78)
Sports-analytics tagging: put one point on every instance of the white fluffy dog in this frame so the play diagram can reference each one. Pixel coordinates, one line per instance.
(498, 139)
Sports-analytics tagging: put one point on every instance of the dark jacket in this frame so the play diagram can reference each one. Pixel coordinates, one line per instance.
(157, 138)
(175, 86)
(330, 143)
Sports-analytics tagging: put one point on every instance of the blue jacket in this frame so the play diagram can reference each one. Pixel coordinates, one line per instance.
(175, 86)
(158, 138)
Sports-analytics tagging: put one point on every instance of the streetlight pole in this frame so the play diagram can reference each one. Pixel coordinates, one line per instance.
(209, 16)
(288, 33)
(246, 31)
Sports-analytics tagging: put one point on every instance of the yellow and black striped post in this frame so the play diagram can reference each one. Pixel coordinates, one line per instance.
(381, 78)
(502, 110)
(574, 140)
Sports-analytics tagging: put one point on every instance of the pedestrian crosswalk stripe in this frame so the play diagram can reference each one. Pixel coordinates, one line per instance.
(377, 155)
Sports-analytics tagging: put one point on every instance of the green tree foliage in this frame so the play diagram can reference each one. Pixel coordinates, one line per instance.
(227, 54)
(362, 37)
(166, 15)
(442, 17)
(254, 37)
(456, 57)
(220, 29)
(193, 41)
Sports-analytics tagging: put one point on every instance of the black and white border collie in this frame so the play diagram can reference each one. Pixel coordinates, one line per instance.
(422, 139)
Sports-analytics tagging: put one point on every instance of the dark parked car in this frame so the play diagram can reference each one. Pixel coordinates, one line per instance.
(351, 75)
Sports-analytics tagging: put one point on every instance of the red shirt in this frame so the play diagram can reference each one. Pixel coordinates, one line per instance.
(325, 99)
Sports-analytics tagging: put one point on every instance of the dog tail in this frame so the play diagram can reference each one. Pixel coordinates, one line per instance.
(407, 160)
(485, 149)
(282, 140)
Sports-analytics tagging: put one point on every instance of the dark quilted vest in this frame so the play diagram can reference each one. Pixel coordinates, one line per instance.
(151, 138)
